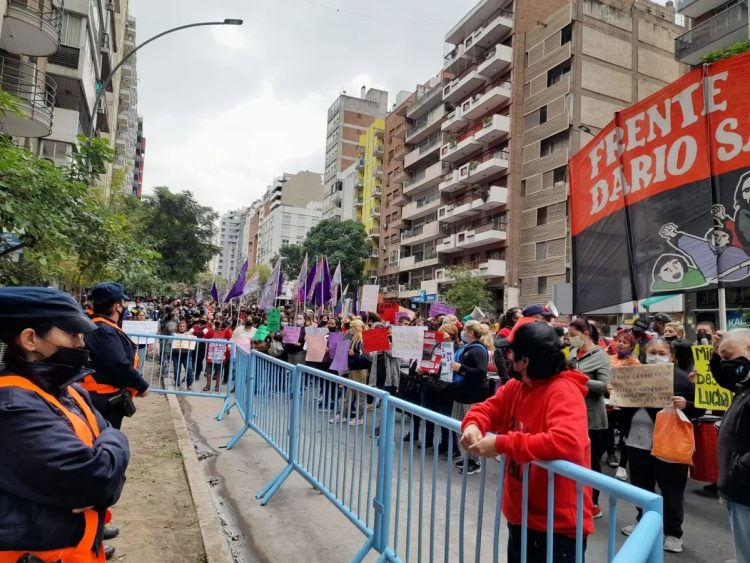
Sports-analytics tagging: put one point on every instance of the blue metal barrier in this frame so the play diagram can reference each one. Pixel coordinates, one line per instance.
(169, 362)
(397, 484)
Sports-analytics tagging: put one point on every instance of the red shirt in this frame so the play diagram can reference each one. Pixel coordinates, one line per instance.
(543, 421)
(223, 334)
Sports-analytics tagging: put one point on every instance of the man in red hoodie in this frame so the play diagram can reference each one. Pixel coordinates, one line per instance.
(539, 415)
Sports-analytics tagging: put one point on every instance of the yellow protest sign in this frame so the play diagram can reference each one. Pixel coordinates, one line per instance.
(708, 393)
(642, 386)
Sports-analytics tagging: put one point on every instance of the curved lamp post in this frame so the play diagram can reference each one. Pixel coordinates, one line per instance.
(102, 85)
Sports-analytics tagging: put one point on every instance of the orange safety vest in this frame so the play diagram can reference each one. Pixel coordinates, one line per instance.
(87, 431)
(90, 384)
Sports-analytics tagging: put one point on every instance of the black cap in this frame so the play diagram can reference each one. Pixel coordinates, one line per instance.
(33, 306)
(535, 339)
(662, 318)
(533, 310)
(108, 292)
(641, 325)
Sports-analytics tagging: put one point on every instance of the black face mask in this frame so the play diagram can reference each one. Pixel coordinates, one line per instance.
(73, 358)
(704, 336)
(730, 373)
(670, 338)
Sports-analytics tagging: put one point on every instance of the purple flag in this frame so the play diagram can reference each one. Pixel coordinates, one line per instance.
(214, 292)
(270, 291)
(437, 309)
(239, 285)
(309, 282)
(252, 285)
(312, 287)
(323, 289)
(336, 285)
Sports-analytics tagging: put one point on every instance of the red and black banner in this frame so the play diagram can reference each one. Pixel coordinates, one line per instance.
(660, 198)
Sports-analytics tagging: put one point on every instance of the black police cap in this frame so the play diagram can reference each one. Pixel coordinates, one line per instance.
(24, 307)
(108, 292)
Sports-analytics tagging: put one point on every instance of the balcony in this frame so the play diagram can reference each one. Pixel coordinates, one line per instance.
(454, 121)
(425, 102)
(396, 224)
(375, 212)
(425, 149)
(400, 131)
(399, 152)
(360, 164)
(502, 23)
(421, 207)
(358, 203)
(374, 253)
(379, 151)
(379, 133)
(398, 176)
(406, 263)
(463, 86)
(378, 172)
(374, 233)
(490, 233)
(489, 268)
(36, 93)
(473, 204)
(420, 234)
(718, 32)
(425, 126)
(494, 128)
(377, 192)
(424, 179)
(481, 38)
(32, 27)
(482, 102)
(462, 146)
(696, 8)
(397, 199)
(486, 166)
(358, 184)
(497, 60)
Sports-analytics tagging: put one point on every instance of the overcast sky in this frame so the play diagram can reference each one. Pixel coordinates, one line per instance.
(228, 108)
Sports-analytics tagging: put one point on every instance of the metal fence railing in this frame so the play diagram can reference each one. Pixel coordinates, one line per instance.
(388, 466)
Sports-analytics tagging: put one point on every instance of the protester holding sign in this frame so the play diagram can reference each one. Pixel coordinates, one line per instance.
(217, 356)
(359, 369)
(646, 470)
(294, 351)
(385, 369)
(589, 358)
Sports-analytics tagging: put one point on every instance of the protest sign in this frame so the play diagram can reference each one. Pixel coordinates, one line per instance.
(140, 327)
(448, 354)
(708, 393)
(316, 347)
(375, 340)
(261, 333)
(341, 357)
(431, 366)
(642, 386)
(408, 342)
(274, 320)
(388, 311)
(290, 334)
(316, 331)
(216, 352)
(437, 309)
(333, 339)
(369, 300)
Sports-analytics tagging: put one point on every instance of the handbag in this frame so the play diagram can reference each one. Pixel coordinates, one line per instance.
(276, 349)
(674, 440)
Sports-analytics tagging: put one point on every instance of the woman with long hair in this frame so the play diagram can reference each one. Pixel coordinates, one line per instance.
(359, 370)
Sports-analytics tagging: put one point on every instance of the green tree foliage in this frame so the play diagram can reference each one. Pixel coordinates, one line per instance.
(263, 271)
(341, 241)
(180, 230)
(736, 49)
(292, 256)
(91, 160)
(468, 291)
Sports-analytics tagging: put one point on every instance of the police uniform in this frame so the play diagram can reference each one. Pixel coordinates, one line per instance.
(113, 360)
(59, 454)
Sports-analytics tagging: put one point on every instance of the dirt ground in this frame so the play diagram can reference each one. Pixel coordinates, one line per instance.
(155, 513)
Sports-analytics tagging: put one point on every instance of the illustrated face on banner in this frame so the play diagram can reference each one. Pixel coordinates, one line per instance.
(717, 238)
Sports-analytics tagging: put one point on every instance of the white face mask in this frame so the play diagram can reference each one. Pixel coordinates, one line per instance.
(654, 359)
(299, 322)
(576, 341)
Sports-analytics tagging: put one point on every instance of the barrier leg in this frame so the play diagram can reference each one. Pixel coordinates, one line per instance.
(364, 550)
(237, 436)
(267, 492)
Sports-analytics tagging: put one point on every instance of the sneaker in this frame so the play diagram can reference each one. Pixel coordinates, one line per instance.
(672, 544)
(597, 512)
(612, 461)
(627, 530)
(621, 474)
(335, 419)
(356, 422)
(471, 469)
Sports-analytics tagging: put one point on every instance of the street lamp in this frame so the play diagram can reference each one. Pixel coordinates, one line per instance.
(587, 129)
(101, 86)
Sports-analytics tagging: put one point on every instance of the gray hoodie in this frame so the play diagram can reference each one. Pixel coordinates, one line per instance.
(596, 364)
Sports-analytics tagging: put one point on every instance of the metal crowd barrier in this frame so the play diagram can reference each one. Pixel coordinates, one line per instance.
(391, 479)
(182, 365)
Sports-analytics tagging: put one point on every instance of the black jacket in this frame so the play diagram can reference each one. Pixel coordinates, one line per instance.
(112, 354)
(45, 469)
(473, 386)
(734, 449)
(501, 347)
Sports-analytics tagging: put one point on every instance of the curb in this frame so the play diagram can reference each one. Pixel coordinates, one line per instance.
(214, 538)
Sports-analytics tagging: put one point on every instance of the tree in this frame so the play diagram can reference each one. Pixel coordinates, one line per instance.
(292, 256)
(468, 291)
(181, 230)
(341, 241)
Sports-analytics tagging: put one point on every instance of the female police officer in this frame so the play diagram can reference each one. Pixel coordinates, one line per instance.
(61, 464)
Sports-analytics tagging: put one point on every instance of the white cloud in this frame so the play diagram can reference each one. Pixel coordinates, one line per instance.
(229, 36)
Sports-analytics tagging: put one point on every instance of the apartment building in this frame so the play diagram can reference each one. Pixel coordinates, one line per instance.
(129, 142)
(585, 61)
(140, 156)
(369, 190)
(395, 149)
(348, 118)
(348, 180)
(714, 24)
(232, 243)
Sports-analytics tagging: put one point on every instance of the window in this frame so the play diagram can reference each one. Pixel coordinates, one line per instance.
(71, 30)
(284, 241)
(559, 175)
(541, 216)
(566, 34)
(541, 285)
(56, 151)
(541, 250)
(555, 75)
(523, 187)
(555, 143)
(542, 115)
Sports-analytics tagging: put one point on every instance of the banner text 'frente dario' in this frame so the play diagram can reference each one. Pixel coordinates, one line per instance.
(660, 198)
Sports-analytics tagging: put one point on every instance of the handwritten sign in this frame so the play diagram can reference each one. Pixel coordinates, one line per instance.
(369, 300)
(408, 342)
(216, 352)
(448, 353)
(708, 393)
(388, 311)
(316, 347)
(316, 331)
(341, 357)
(290, 334)
(375, 340)
(273, 320)
(642, 386)
(437, 309)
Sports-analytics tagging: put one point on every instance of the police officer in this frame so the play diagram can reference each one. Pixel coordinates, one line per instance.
(62, 464)
(116, 378)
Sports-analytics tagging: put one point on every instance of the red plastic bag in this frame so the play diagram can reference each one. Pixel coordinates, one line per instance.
(674, 441)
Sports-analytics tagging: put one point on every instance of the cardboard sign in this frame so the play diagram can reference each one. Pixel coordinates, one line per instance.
(340, 362)
(316, 331)
(437, 309)
(290, 334)
(431, 366)
(262, 333)
(408, 342)
(216, 352)
(708, 393)
(273, 320)
(388, 311)
(369, 300)
(448, 356)
(333, 339)
(375, 340)
(140, 327)
(316, 347)
(642, 386)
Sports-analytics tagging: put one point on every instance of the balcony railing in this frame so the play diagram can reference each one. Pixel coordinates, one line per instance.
(36, 92)
(703, 35)
(426, 96)
(32, 27)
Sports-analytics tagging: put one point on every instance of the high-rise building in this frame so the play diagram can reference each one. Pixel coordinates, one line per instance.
(584, 62)
(348, 118)
(714, 24)
(369, 190)
(129, 125)
(140, 155)
(230, 239)
(351, 201)
(395, 148)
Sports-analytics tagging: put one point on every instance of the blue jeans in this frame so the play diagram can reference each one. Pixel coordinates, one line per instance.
(180, 359)
(739, 521)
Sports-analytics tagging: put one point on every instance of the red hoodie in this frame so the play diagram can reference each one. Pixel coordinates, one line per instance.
(540, 422)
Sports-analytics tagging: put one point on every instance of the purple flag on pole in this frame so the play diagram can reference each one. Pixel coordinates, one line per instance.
(214, 292)
(252, 285)
(323, 290)
(239, 285)
(312, 287)
(309, 282)
(270, 291)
